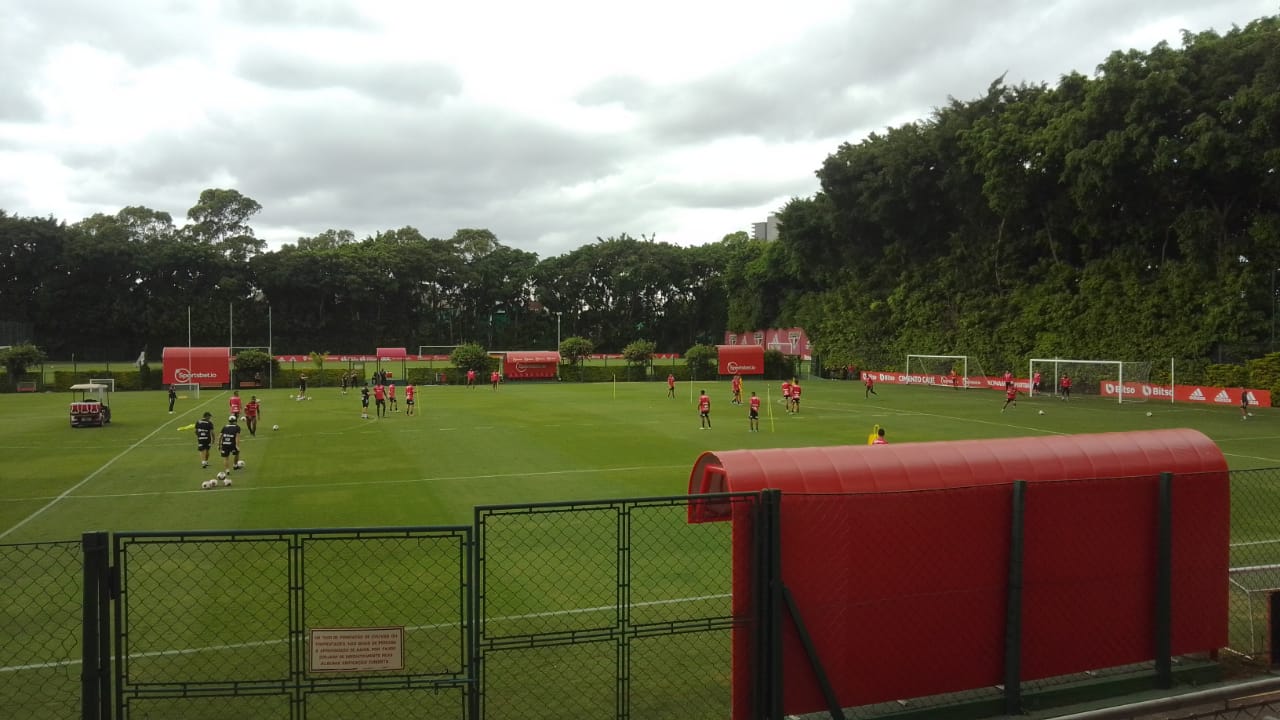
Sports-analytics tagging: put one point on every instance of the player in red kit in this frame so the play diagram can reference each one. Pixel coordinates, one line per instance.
(795, 397)
(1065, 387)
(786, 395)
(471, 378)
(753, 412)
(671, 385)
(494, 377)
(409, 392)
(1010, 396)
(704, 411)
(870, 384)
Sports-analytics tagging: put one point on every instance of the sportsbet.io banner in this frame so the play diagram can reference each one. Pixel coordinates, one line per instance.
(1132, 390)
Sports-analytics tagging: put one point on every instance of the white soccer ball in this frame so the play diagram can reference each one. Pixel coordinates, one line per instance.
(227, 481)
(1250, 414)
(290, 397)
(207, 484)
(1148, 413)
(275, 427)
(1041, 412)
(239, 465)
(222, 475)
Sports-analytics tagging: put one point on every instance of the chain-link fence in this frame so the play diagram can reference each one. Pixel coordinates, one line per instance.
(623, 609)
(41, 611)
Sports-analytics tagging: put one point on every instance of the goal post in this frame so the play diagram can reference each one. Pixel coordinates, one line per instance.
(109, 382)
(953, 371)
(187, 390)
(1118, 379)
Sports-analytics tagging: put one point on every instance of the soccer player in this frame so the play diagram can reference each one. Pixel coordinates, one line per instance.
(302, 386)
(671, 385)
(1008, 378)
(753, 412)
(471, 378)
(494, 377)
(391, 396)
(1010, 396)
(251, 413)
(409, 392)
(1035, 383)
(786, 395)
(229, 444)
(173, 398)
(364, 402)
(380, 400)
(1244, 404)
(345, 379)
(1065, 387)
(795, 397)
(880, 438)
(704, 411)
(870, 384)
(955, 379)
(235, 403)
(204, 438)
(737, 388)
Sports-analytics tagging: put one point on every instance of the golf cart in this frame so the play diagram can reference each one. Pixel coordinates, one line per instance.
(89, 405)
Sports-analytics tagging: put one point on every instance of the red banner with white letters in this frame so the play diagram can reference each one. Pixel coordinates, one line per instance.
(1133, 391)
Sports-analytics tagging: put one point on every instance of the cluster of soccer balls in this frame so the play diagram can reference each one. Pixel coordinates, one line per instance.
(223, 478)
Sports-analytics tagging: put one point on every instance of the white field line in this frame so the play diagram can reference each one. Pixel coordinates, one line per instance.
(411, 628)
(92, 475)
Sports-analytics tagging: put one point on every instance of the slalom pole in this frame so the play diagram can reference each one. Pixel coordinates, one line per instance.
(768, 395)
(615, 386)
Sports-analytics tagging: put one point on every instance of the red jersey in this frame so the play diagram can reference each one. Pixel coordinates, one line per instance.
(471, 376)
(1066, 381)
(234, 402)
(737, 383)
(391, 391)
(251, 410)
(755, 402)
(493, 377)
(1011, 393)
(786, 389)
(408, 392)
(704, 404)
(671, 381)
(866, 380)
(379, 392)
(879, 441)
(795, 392)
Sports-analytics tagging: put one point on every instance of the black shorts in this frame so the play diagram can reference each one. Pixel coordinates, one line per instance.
(755, 414)
(381, 402)
(364, 402)
(225, 451)
(408, 401)
(705, 414)
(204, 445)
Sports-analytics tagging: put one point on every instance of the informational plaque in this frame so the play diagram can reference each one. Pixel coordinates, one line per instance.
(357, 649)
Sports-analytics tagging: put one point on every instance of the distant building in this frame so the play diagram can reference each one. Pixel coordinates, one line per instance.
(767, 230)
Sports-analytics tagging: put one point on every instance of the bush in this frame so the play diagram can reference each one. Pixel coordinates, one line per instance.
(473, 357)
(1226, 376)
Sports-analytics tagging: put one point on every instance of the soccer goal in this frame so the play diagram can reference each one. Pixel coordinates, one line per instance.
(187, 390)
(947, 371)
(109, 382)
(1092, 378)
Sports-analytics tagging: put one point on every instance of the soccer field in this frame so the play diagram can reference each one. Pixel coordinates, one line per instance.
(535, 442)
(327, 467)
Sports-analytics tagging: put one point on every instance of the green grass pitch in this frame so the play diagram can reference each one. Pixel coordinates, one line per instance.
(533, 442)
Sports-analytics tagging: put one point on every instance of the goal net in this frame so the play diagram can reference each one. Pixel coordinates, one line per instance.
(109, 382)
(947, 371)
(187, 390)
(1109, 379)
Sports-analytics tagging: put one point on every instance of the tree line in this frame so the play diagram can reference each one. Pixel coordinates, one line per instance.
(1133, 214)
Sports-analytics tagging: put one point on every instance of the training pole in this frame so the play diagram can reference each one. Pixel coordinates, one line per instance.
(768, 402)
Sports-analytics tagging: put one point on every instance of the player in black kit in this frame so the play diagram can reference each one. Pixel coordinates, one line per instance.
(204, 438)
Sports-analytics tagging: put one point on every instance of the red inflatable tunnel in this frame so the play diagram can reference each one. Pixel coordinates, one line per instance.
(897, 557)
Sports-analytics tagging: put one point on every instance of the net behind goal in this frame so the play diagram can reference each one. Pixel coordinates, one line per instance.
(948, 371)
(1110, 379)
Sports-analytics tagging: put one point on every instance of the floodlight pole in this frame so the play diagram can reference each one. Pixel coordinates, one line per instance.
(1274, 301)
(558, 344)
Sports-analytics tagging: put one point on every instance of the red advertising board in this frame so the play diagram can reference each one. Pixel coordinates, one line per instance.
(530, 365)
(741, 359)
(1203, 394)
(205, 366)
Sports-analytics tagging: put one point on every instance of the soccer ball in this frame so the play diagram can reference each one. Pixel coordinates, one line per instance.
(275, 427)
(290, 397)
(222, 475)
(209, 484)
(239, 464)
(226, 481)
(1041, 412)
(1250, 414)
(1148, 413)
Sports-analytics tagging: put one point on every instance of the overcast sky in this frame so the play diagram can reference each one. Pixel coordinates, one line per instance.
(550, 123)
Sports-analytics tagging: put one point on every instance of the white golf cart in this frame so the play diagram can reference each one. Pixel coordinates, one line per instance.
(89, 405)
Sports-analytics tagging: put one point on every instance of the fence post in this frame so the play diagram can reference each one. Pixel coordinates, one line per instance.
(95, 676)
(1013, 603)
(768, 690)
(1164, 583)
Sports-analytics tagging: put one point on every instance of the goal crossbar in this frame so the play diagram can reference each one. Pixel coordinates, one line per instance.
(1122, 379)
(923, 375)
